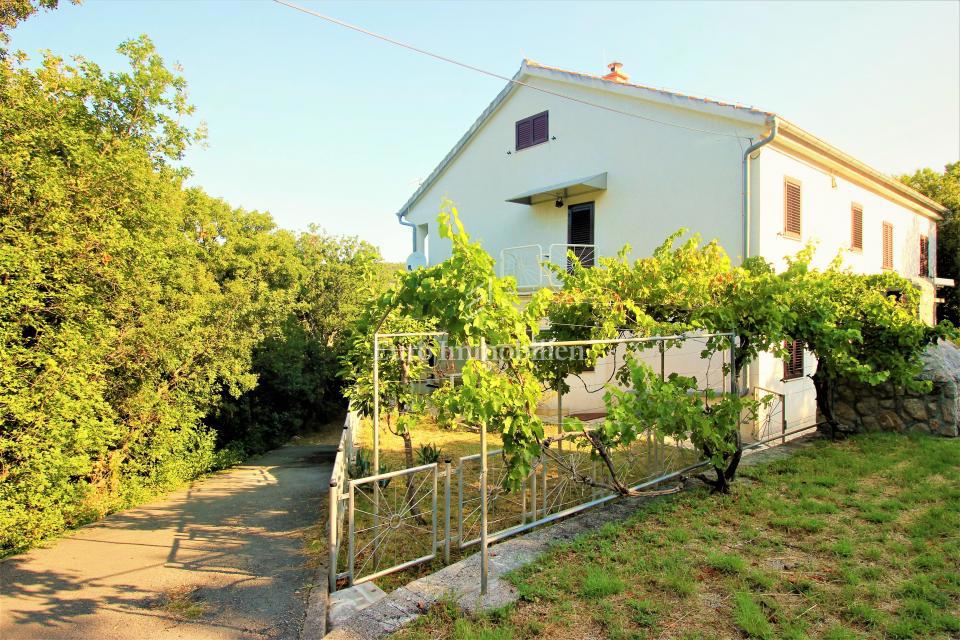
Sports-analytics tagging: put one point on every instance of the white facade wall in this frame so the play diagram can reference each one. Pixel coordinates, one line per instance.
(826, 220)
(660, 178)
(650, 167)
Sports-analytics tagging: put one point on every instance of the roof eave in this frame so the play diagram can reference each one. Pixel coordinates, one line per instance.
(805, 141)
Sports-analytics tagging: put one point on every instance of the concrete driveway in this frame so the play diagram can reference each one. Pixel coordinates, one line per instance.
(220, 559)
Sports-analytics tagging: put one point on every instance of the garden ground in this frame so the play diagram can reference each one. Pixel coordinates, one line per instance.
(852, 539)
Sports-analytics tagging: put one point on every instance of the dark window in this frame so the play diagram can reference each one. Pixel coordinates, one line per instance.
(793, 363)
(791, 207)
(533, 130)
(856, 227)
(924, 256)
(580, 232)
(887, 245)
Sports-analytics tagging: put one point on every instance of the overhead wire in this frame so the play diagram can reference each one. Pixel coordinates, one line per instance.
(492, 74)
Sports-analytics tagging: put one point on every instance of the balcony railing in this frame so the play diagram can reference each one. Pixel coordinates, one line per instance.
(528, 263)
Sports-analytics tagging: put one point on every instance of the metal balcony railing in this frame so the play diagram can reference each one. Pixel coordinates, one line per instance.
(528, 263)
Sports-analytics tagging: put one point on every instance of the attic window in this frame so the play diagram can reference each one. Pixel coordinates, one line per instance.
(793, 363)
(533, 130)
(856, 227)
(791, 208)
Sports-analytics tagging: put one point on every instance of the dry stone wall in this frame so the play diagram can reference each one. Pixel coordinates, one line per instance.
(861, 407)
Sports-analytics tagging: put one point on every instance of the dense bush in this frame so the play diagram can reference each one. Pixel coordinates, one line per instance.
(148, 332)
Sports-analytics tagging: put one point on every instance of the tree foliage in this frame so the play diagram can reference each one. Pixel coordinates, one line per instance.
(861, 327)
(464, 298)
(945, 189)
(133, 308)
(13, 12)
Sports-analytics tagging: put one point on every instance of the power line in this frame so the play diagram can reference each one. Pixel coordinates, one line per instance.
(491, 74)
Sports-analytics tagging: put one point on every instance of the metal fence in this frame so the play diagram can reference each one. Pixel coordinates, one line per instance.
(389, 522)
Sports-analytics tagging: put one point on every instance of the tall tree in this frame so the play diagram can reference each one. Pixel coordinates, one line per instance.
(945, 189)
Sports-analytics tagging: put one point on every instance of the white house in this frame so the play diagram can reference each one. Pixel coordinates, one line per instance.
(562, 158)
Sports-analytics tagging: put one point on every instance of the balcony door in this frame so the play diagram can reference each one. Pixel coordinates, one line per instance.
(580, 232)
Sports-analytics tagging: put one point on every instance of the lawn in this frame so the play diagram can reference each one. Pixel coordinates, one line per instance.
(852, 539)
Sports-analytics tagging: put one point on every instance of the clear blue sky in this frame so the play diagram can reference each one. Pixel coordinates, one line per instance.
(318, 124)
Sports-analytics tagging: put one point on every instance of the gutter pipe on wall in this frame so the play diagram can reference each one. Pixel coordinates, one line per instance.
(413, 229)
(746, 183)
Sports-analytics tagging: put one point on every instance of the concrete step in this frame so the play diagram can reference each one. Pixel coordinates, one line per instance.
(346, 603)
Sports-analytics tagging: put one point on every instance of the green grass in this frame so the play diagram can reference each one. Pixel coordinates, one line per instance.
(726, 562)
(749, 616)
(850, 540)
(598, 582)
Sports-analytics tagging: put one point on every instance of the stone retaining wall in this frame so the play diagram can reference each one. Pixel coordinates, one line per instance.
(861, 407)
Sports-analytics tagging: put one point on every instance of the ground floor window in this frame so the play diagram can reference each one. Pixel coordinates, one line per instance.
(793, 363)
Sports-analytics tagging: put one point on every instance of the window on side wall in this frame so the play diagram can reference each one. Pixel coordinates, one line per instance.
(887, 245)
(533, 130)
(793, 363)
(791, 208)
(924, 256)
(856, 227)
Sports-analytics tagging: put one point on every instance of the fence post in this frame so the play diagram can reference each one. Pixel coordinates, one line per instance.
(484, 552)
(733, 358)
(533, 491)
(559, 417)
(446, 517)
(460, 503)
(332, 542)
(436, 470)
(351, 536)
(543, 490)
(376, 448)
(783, 418)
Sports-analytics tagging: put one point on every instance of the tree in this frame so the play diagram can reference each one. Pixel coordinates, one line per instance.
(464, 298)
(132, 308)
(15, 11)
(297, 364)
(861, 327)
(945, 189)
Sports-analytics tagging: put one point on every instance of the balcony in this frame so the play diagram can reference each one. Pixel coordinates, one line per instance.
(528, 263)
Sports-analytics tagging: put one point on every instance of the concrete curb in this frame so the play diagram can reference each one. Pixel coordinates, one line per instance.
(315, 619)
(461, 580)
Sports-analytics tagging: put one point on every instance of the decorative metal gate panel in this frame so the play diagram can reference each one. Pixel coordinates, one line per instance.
(392, 522)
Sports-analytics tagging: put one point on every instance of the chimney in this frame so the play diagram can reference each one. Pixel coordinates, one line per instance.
(615, 74)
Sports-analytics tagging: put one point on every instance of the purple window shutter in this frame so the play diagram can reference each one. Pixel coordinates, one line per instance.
(524, 133)
(540, 127)
(532, 130)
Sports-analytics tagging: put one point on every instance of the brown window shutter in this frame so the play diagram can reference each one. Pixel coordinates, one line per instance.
(524, 133)
(924, 256)
(533, 130)
(887, 245)
(793, 363)
(541, 127)
(791, 208)
(856, 227)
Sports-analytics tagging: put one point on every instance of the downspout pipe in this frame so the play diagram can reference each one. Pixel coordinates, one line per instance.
(746, 183)
(413, 229)
(756, 146)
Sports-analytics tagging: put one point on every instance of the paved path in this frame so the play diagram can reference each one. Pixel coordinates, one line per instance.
(220, 559)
